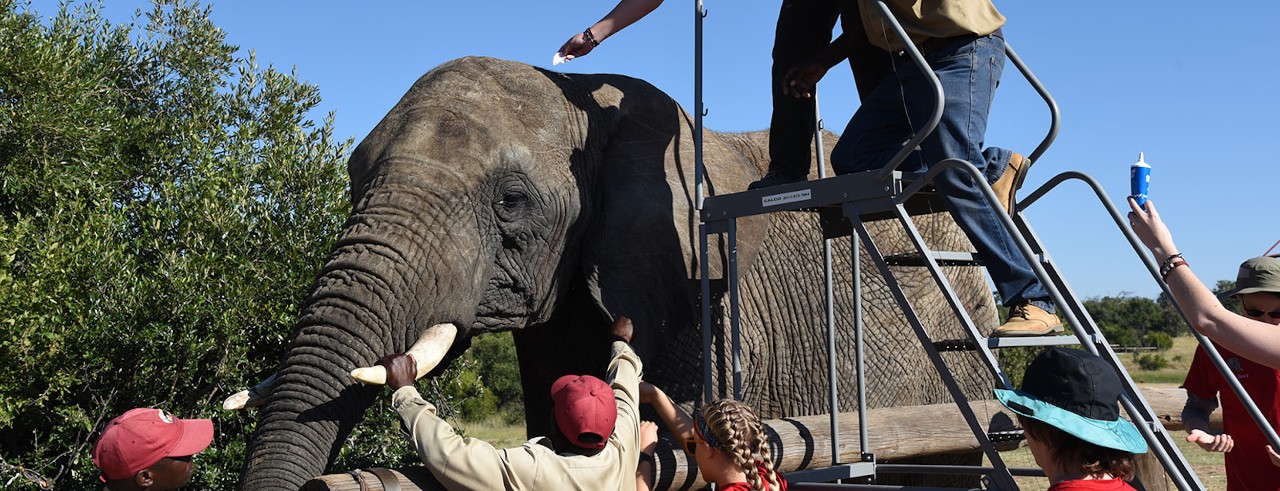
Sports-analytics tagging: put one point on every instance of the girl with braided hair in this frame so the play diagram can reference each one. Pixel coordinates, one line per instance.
(726, 439)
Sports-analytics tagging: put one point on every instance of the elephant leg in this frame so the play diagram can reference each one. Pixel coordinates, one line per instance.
(575, 340)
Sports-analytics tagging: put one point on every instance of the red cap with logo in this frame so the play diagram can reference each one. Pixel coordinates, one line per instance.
(585, 410)
(141, 437)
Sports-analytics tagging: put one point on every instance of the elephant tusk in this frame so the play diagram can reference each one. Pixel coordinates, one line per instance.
(252, 397)
(427, 353)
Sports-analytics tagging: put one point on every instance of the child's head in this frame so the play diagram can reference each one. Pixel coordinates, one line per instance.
(736, 441)
(1069, 408)
(1069, 452)
(150, 449)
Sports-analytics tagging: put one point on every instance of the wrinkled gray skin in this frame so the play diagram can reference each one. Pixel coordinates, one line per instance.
(500, 196)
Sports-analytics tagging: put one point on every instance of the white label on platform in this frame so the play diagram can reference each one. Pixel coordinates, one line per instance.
(778, 199)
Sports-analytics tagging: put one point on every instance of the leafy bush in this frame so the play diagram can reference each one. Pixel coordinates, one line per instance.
(1158, 340)
(1014, 361)
(164, 205)
(484, 382)
(1152, 362)
(1119, 335)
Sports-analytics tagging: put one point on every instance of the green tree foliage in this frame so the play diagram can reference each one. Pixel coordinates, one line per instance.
(1125, 319)
(485, 381)
(1158, 340)
(164, 205)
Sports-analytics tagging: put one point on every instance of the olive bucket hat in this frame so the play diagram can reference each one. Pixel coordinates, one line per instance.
(1260, 274)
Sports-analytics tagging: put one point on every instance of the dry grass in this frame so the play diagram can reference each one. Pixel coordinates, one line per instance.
(494, 430)
(1179, 357)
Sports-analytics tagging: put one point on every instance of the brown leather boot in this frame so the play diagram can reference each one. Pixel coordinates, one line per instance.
(1028, 320)
(1004, 187)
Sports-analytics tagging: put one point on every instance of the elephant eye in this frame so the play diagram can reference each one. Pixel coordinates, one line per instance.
(512, 200)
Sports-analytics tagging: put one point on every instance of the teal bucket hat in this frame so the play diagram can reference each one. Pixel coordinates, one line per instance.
(1078, 393)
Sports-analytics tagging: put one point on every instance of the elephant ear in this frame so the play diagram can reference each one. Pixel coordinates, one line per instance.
(640, 247)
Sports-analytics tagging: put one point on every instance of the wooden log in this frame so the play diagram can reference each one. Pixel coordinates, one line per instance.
(805, 442)
(1167, 403)
(797, 443)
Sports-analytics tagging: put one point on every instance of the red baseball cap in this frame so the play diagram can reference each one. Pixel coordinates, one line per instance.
(141, 437)
(584, 408)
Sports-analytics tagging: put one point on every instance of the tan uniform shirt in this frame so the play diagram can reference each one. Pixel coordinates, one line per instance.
(928, 19)
(471, 464)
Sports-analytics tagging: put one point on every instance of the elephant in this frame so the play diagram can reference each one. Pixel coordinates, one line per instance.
(498, 196)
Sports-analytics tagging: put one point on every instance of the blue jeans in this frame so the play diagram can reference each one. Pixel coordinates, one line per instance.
(969, 68)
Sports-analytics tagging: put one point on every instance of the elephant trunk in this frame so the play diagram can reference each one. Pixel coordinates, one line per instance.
(359, 312)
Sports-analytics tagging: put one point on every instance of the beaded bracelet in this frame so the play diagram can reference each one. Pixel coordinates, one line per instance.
(591, 38)
(1171, 263)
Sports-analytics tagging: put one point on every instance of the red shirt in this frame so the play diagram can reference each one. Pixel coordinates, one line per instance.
(744, 486)
(1248, 468)
(1092, 485)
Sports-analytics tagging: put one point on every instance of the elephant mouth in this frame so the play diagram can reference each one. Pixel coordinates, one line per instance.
(504, 307)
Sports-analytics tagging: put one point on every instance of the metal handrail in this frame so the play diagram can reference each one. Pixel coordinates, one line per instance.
(1212, 351)
(1055, 118)
(935, 117)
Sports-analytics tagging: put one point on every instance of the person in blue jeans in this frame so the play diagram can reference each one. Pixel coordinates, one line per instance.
(964, 46)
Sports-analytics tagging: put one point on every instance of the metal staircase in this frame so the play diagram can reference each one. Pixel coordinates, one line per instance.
(846, 203)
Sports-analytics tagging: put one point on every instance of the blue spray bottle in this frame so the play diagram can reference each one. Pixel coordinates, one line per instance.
(1139, 180)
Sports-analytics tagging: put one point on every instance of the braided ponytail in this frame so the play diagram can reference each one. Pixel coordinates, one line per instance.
(735, 431)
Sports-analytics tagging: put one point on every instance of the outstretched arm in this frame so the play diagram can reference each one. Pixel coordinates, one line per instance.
(627, 12)
(1195, 419)
(459, 463)
(1255, 340)
(678, 422)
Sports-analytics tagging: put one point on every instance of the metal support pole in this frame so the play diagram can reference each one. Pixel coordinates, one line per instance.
(859, 359)
(707, 380)
(699, 167)
(829, 284)
(699, 177)
(734, 316)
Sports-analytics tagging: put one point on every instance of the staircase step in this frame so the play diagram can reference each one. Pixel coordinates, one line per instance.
(968, 345)
(827, 474)
(944, 258)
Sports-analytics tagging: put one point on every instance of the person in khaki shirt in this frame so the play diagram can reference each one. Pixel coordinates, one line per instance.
(598, 420)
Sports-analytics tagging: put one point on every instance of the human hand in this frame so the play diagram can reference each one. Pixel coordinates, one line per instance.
(802, 80)
(648, 437)
(401, 370)
(576, 46)
(1275, 458)
(623, 330)
(1151, 230)
(1219, 443)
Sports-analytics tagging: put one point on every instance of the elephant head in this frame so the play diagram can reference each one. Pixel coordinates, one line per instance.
(483, 201)
(498, 196)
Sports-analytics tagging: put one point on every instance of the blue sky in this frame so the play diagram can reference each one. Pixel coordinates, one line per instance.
(1192, 87)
